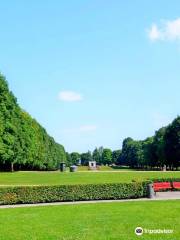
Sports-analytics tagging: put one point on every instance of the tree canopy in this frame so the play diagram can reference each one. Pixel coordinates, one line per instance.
(24, 143)
(159, 151)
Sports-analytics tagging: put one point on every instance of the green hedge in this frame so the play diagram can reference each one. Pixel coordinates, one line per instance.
(62, 193)
(165, 180)
(42, 194)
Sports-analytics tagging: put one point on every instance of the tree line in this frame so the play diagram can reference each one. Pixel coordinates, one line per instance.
(102, 156)
(24, 143)
(157, 152)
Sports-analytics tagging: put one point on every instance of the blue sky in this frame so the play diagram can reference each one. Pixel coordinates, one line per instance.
(93, 72)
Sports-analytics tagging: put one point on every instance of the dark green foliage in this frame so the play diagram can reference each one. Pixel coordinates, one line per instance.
(158, 146)
(124, 159)
(160, 151)
(74, 158)
(107, 156)
(149, 156)
(24, 144)
(68, 159)
(172, 143)
(37, 194)
(165, 179)
(116, 157)
(86, 157)
(97, 156)
(132, 153)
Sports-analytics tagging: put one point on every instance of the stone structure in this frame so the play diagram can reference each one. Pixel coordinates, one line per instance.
(92, 165)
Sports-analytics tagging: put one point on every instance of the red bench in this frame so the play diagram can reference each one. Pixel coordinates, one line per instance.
(176, 185)
(161, 186)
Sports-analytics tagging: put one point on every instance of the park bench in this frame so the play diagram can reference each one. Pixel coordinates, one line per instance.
(161, 186)
(158, 186)
(176, 185)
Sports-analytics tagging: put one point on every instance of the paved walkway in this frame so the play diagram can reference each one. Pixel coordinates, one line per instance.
(159, 196)
(167, 195)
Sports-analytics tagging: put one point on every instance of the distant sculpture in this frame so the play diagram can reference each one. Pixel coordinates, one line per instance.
(164, 168)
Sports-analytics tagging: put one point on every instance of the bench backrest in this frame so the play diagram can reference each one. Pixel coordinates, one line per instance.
(176, 184)
(162, 185)
(165, 185)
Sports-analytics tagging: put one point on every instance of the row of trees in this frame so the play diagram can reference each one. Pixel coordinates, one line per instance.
(161, 150)
(102, 156)
(24, 143)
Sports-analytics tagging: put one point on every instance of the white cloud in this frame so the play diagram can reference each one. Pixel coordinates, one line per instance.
(154, 33)
(70, 96)
(167, 31)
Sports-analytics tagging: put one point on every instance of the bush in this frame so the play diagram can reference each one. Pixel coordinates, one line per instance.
(62, 193)
(166, 180)
(42, 194)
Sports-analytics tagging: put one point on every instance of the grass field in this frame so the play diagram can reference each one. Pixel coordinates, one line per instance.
(100, 221)
(106, 168)
(54, 178)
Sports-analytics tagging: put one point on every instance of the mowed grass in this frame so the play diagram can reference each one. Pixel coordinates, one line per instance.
(99, 221)
(106, 168)
(55, 178)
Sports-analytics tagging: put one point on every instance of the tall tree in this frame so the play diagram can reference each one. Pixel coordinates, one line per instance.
(75, 156)
(116, 157)
(124, 159)
(85, 158)
(24, 143)
(96, 156)
(172, 143)
(107, 156)
(159, 148)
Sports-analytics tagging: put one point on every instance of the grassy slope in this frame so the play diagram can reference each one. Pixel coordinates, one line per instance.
(53, 178)
(101, 221)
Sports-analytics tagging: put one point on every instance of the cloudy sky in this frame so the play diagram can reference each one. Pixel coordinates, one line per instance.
(93, 72)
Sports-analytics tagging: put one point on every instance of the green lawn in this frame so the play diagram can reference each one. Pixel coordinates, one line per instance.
(106, 168)
(54, 178)
(100, 221)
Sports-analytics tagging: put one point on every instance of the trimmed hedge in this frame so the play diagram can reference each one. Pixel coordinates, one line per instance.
(43, 194)
(165, 180)
(65, 193)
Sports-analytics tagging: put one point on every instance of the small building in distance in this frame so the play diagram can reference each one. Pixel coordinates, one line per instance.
(92, 165)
